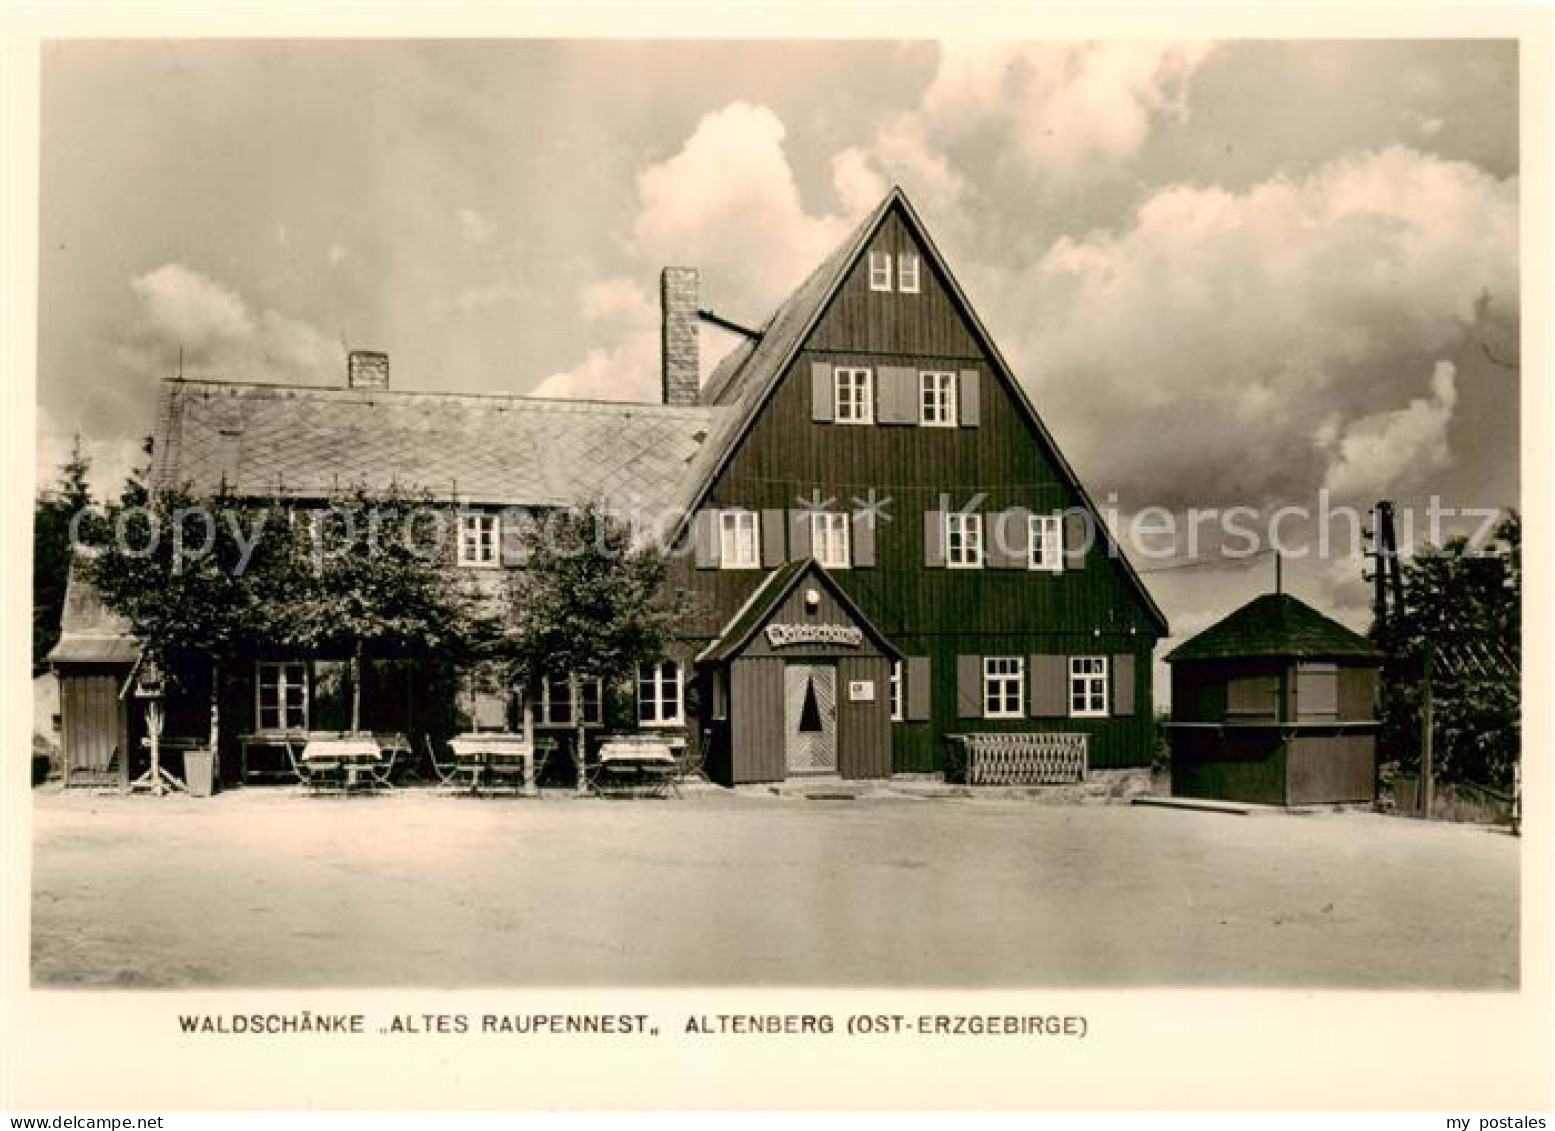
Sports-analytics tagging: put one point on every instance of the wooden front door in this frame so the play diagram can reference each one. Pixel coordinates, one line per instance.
(810, 718)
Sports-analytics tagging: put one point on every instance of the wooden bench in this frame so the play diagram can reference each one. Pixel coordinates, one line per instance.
(1050, 758)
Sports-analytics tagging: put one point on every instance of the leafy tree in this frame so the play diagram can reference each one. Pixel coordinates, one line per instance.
(53, 510)
(195, 575)
(1457, 596)
(588, 604)
(374, 588)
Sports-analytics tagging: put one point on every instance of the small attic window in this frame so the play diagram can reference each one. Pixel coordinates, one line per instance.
(907, 274)
(880, 271)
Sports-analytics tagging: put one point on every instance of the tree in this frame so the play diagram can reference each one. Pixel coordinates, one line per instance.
(587, 604)
(1459, 600)
(53, 510)
(373, 589)
(197, 575)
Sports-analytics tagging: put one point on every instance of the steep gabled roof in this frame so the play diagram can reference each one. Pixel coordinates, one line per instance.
(753, 373)
(89, 632)
(771, 593)
(1275, 625)
(309, 441)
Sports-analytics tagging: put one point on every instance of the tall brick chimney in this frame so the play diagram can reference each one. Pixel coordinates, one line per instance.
(367, 369)
(681, 370)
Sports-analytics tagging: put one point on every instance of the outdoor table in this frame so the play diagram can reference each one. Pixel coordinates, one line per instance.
(493, 755)
(648, 760)
(358, 757)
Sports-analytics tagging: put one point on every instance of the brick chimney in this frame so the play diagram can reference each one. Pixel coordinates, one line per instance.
(367, 369)
(682, 374)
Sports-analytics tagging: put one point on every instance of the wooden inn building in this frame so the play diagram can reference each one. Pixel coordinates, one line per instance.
(887, 547)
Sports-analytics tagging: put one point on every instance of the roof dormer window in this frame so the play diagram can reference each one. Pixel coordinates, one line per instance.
(880, 271)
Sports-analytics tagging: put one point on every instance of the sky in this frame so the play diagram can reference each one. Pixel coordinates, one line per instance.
(1229, 274)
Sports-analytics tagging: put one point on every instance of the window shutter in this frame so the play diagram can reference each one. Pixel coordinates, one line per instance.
(1049, 687)
(1009, 539)
(771, 539)
(918, 691)
(934, 538)
(967, 399)
(898, 395)
(823, 406)
(863, 540)
(1077, 531)
(514, 522)
(969, 687)
(706, 533)
(799, 535)
(1122, 679)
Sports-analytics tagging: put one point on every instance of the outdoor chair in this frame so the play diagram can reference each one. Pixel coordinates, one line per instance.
(318, 776)
(690, 762)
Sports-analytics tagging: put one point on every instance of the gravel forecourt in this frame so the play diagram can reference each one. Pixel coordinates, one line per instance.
(270, 888)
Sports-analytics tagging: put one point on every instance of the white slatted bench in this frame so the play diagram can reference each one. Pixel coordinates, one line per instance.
(1050, 758)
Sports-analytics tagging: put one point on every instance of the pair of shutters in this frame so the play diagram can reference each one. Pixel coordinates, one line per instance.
(898, 393)
(1007, 538)
(1047, 685)
(771, 528)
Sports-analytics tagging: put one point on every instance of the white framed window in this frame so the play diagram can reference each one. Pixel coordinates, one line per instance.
(282, 688)
(1047, 543)
(556, 706)
(660, 694)
(479, 539)
(855, 395)
(937, 399)
(880, 271)
(739, 540)
(1087, 686)
(907, 274)
(896, 692)
(1004, 687)
(963, 540)
(829, 539)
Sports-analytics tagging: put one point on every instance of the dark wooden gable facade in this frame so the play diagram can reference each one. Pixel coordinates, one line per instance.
(995, 459)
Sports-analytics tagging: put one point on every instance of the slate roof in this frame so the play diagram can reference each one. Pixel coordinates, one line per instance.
(1275, 624)
(308, 441)
(89, 632)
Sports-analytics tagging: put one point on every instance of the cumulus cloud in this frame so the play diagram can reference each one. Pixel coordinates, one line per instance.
(186, 313)
(727, 202)
(1218, 331)
(1375, 454)
(1072, 111)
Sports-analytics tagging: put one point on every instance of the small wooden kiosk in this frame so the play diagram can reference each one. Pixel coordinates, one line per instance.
(1275, 704)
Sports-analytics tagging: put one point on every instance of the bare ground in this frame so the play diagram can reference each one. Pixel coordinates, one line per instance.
(271, 888)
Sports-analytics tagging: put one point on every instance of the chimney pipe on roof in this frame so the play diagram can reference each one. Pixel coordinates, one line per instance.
(367, 369)
(680, 352)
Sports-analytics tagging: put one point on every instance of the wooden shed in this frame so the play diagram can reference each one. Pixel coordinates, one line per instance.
(1275, 704)
(93, 659)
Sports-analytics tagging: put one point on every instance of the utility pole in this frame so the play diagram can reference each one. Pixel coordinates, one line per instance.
(1387, 580)
(1427, 768)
